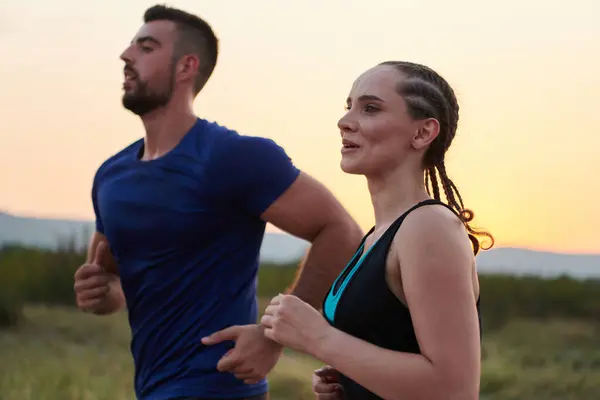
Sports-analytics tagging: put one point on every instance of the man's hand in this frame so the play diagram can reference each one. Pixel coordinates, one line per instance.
(92, 281)
(253, 355)
(95, 286)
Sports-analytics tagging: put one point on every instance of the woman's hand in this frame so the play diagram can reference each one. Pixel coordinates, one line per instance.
(296, 324)
(326, 384)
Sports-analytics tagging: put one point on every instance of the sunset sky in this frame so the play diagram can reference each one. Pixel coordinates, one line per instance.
(526, 74)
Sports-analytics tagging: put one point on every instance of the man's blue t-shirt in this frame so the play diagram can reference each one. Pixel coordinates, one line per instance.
(186, 232)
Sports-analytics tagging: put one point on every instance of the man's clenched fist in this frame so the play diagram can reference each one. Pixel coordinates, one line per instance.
(92, 281)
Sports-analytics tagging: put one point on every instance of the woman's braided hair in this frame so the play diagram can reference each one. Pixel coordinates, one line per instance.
(428, 95)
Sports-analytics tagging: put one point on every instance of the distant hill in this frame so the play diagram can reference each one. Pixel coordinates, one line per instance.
(516, 261)
(44, 233)
(282, 248)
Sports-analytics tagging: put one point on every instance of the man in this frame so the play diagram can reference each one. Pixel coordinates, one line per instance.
(180, 218)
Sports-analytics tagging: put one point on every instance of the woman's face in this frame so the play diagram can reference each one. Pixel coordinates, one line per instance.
(378, 133)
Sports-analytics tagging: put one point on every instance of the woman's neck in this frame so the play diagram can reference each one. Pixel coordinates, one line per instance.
(395, 192)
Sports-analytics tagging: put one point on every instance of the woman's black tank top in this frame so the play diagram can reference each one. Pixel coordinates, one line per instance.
(361, 303)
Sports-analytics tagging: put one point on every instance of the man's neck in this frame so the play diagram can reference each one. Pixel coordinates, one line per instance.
(165, 127)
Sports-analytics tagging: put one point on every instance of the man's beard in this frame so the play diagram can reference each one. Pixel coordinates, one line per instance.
(142, 100)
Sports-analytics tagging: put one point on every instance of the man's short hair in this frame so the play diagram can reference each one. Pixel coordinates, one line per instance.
(194, 36)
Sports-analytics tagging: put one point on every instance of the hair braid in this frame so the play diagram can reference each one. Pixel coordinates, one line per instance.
(450, 189)
(434, 183)
(428, 95)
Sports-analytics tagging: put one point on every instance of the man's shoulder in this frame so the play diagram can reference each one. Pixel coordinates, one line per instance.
(237, 147)
(123, 155)
(223, 136)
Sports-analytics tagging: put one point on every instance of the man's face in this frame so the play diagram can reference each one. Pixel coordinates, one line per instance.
(148, 69)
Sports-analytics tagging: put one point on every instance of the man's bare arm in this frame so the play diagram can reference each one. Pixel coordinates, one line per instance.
(309, 211)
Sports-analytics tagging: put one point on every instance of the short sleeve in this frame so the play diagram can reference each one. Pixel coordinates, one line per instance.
(255, 172)
(99, 225)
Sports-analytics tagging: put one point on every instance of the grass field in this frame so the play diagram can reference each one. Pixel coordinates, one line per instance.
(59, 353)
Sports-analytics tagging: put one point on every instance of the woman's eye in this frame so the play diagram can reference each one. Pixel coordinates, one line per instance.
(368, 108)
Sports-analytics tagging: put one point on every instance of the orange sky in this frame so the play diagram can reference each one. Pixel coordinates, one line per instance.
(526, 74)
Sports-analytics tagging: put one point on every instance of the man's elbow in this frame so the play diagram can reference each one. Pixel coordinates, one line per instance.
(354, 233)
(353, 229)
(344, 229)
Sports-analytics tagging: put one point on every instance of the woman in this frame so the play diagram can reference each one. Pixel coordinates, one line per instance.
(402, 320)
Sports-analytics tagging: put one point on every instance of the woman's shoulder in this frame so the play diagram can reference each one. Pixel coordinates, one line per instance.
(432, 232)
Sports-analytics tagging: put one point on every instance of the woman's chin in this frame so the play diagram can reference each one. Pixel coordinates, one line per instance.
(350, 167)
